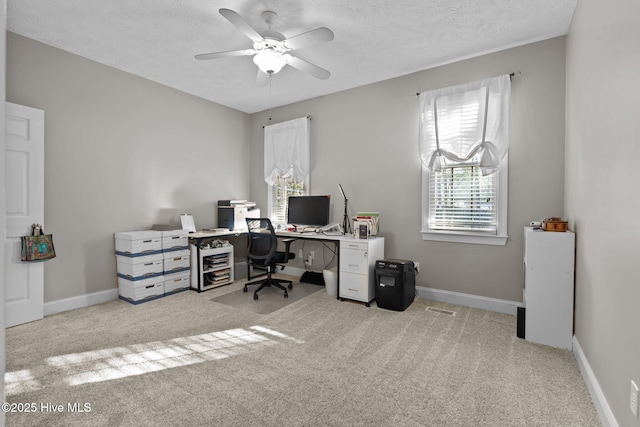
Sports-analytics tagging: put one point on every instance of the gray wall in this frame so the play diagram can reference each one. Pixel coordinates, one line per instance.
(602, 196)
(367, 140)
(121, 153)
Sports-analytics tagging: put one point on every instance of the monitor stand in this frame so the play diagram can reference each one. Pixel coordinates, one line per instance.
(312, 277)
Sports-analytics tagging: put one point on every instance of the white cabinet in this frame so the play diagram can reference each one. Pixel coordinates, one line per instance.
(548, 287)
(357, 261)
(214, 267)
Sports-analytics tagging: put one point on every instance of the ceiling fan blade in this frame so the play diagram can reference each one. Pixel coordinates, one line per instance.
(214, 55)
(307, 67)
(319, 35)
(241, 24)
(262, 79)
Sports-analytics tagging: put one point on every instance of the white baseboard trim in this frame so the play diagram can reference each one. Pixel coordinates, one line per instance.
(599, 400)
(80, 301)
(468, 300)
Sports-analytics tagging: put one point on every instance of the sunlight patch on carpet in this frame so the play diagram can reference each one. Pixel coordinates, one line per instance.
(139, 359)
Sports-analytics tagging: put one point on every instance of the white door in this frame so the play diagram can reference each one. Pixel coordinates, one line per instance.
(24, 169)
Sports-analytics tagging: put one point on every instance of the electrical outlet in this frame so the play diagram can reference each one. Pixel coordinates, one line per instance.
(633, 399)
(313, 255)
(416, 265)
(300, 254)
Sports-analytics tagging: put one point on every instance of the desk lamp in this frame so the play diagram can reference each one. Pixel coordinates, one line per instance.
(346, 224)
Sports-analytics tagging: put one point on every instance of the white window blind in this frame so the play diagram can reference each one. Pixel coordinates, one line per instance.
(281, 190)
(461, 198)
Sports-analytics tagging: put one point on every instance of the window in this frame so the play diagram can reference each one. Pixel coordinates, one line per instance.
(463, 144)
(465, 206)
(286, 165)
(279, 193)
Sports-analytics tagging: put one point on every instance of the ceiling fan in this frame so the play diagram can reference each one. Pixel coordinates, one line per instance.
(271, 49)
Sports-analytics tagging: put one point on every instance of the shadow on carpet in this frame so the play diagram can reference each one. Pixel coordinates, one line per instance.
(270, 298)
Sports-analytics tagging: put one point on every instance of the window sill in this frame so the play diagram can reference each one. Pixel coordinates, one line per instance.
(461, 237)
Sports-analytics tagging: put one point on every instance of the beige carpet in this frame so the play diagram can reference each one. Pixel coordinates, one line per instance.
(185, 360)
(269, 299)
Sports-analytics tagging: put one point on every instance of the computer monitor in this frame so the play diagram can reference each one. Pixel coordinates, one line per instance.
(309, 210)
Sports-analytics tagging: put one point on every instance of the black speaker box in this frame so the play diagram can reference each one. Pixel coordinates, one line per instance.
(522, 315)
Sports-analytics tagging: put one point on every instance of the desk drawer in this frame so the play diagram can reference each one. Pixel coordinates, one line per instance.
(351, 244)
(355, 287)
(354, 261)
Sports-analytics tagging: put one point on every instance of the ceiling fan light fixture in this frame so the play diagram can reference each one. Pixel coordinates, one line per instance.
(269, 61)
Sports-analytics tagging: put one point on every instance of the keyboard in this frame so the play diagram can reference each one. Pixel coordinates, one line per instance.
(288, 233)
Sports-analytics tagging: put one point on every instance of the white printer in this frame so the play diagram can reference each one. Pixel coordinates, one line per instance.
(233, 214)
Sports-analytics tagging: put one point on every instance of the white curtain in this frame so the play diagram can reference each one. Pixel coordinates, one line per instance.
(286, 149)
(459, 122)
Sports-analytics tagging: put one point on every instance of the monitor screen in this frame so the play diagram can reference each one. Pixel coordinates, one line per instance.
(309, 210)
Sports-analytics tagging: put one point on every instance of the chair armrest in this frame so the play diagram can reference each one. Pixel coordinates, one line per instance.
(287, 245)
(288, 242)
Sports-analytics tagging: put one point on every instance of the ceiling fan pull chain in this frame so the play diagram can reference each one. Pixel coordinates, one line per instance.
(270, 106)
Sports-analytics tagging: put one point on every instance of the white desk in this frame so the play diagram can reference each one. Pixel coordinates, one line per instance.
(204, 234)
(339, 240)
(355, 265)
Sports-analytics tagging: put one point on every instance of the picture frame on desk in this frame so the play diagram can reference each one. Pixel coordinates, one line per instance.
(361, 230)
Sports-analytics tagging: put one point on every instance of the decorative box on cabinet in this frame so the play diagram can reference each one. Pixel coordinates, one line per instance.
(213, 267)
(548, 287)
(356, 270)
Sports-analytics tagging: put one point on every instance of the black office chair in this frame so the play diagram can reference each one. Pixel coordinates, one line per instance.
(263, 253)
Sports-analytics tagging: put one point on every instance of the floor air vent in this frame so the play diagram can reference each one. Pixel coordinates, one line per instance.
(441, 311)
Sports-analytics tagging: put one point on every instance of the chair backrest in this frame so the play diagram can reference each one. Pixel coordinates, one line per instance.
(262, 241)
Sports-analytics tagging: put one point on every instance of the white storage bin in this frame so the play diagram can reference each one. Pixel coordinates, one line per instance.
(176, 283)
(177, 261)
(175, 240)
(142, 290)
(138, 243)
(141, 267)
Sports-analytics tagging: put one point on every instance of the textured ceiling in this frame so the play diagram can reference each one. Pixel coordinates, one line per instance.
(374, 39)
